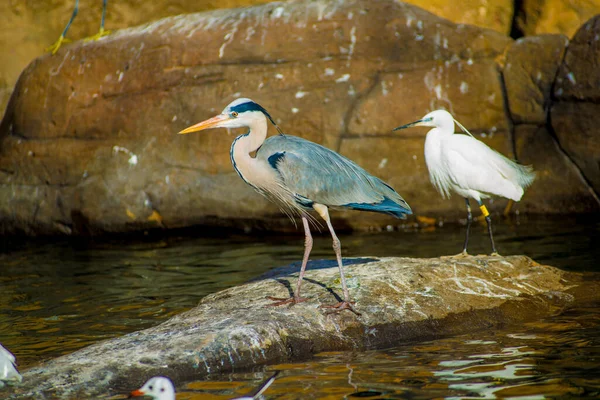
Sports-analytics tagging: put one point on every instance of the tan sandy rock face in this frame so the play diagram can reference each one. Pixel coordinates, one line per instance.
(537, 17)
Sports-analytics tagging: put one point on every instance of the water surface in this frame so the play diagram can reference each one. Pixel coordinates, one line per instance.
(60, 295)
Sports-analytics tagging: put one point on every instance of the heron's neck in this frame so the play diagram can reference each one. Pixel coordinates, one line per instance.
(243, 163)
(251, 141)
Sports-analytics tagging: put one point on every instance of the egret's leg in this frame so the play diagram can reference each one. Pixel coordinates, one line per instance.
(508, 207)
(54, 48)
(101, 32)
(308, 243)
(486, 214)
(469, 221)
(346, 304)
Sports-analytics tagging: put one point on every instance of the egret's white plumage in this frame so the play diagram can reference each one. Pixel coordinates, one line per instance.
(300, 176)
(464, 165)
(157, 387)
(8, 367)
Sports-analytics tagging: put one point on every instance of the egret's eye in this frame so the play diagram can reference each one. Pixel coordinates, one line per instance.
(150, 387)
(162, 389)
(234, 114)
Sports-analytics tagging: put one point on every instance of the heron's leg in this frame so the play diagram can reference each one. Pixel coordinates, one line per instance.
(469, 221)
(486, 214)
(54, 48)
(346, 304)
(308, 243)
(101, 32)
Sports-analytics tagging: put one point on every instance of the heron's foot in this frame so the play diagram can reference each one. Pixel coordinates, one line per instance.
(341, 306)
(101, 33)
(54, 48)
(279, 301)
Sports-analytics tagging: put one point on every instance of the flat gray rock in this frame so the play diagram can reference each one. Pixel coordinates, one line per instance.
(400, 299)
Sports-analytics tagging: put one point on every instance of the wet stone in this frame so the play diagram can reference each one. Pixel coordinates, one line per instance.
(400, 299)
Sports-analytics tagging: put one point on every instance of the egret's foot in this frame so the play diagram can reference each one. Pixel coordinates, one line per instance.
(101, 33)
(54, 48)
(462, 254)
(495, 254)
(279, 301)
(341, 306)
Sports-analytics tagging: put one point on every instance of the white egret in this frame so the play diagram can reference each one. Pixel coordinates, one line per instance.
(300, 176)
(158, 387)
(162, 388)
(8, 368)
(468, 167)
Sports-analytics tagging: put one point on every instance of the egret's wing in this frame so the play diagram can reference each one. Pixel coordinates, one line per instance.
(320, 175)
(8, 367)
(471, 164)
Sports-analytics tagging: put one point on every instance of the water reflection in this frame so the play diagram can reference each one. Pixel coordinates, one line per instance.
(59, 296)
(555, 357)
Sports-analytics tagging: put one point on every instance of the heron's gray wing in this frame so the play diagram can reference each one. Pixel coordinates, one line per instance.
(316, 174)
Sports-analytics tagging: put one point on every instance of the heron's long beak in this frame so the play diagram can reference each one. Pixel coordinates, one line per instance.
(416, 123)
(136, 393)
(209, 123)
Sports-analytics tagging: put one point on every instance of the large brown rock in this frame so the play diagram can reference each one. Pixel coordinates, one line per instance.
(575, 112)
(400, 299)
(529, 72)
(89, 140)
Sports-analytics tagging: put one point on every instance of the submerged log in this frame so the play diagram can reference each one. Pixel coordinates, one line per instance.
(400, 299)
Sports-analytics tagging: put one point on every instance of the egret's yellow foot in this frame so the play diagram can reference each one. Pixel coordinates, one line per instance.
(54, 48)
(101, 33)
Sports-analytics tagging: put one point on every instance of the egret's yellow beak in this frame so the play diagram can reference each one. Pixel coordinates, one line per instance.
(209, 123)
(416, 123)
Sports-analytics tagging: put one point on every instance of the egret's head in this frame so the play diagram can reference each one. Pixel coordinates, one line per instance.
(435, 119)
(239, 113)
(158, 387)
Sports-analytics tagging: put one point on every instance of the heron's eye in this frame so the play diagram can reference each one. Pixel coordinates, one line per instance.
(234, 114)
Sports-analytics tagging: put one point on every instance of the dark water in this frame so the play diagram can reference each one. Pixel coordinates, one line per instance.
(59, 296)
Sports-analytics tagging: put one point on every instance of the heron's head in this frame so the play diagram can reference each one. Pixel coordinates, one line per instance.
(158, 387)
(435, 119)
(239, 113)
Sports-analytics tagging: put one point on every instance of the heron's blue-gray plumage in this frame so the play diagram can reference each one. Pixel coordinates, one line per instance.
(315, 174)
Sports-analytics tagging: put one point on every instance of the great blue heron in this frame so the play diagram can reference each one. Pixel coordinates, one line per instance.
(468, 167)
(300, 175)
(62, 39)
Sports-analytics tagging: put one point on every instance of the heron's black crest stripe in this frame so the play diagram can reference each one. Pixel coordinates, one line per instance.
(274, 158)
(252, 106)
